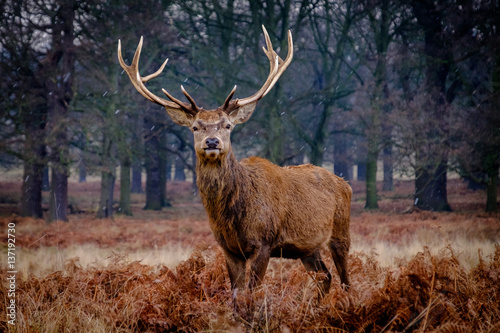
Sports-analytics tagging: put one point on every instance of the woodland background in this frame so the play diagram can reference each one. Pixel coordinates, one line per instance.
(395, 88)
(399, 97)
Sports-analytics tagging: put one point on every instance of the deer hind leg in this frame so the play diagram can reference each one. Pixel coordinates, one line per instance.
(314, 263)
(340, 250)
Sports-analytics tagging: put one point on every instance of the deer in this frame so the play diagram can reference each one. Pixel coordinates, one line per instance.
(256, 209)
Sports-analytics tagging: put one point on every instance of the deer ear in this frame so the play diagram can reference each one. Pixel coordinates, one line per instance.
(242, 114)
(180, 117)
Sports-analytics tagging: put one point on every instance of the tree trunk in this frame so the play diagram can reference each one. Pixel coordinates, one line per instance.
(58, 201)
(59, 67)
(430, 188)
(82, 172)
(34, 164)
(318, 148)
(136, 178)
(193, 157)
(180, 175)
(379, 102)
(153, 183)
(274, 151)
(342, 164)
(46, 179)
(125, 207)
(343, 170)
(106, 199)
(31, 197)
(154, 199)
(491, 192)
(371, 178)
(388, 184)
(493, 161)
(170, 163)
(432, 154)
(107, 177)
(162, 154)
(82, 168)
(317, 154)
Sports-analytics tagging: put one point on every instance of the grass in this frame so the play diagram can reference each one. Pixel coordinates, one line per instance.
(163, 272)
(88, 255)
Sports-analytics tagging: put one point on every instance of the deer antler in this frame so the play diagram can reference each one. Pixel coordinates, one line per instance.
(138, 82)
(276, 64)
(277, 67)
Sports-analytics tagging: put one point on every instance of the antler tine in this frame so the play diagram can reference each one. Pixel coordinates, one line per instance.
(138, 82)
(228, 98)
(155, 74)
(284, 64)
(132, 69)
(190, 99)
(191, 109)
(277, 67)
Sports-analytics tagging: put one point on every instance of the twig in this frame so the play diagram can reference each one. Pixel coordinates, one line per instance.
(37, 240)
(430, 297)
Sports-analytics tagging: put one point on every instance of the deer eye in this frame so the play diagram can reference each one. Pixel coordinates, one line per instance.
(228, 126)
(195, 128)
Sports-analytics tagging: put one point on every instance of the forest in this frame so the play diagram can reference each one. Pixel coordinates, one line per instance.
(101, 225)
(377, 90)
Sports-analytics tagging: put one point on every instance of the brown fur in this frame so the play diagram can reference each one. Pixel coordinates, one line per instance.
(258, 210)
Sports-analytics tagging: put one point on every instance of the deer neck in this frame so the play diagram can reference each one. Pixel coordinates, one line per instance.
(221, 184)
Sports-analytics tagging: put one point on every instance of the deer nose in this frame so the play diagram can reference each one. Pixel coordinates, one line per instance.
(212, 143)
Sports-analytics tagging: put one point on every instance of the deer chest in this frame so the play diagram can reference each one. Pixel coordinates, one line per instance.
(238, 244)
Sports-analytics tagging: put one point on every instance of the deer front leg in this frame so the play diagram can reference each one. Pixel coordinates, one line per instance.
(258, 268)
(236, 270)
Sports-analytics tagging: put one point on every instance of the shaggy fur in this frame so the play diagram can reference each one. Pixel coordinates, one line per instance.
(258, 210)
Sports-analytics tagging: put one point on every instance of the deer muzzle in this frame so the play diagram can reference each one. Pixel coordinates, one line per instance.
(212, 143)
(212, 148)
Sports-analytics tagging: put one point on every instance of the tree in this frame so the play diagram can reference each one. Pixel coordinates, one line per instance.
(222, 41)
(117, 136)
(446, 31)
(138, 148)
(330, 26)
(59, 67)
(34, 161)
(278, 17)
(97, 96)
(384, 18)
(476, 124)
(432, 154)
(39, 39)
(23, 102)
(155, 163)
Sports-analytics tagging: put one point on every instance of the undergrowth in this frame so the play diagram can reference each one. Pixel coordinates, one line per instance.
(439, 289)
(427, 293)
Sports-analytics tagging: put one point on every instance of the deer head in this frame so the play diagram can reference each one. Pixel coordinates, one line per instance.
(211, 128)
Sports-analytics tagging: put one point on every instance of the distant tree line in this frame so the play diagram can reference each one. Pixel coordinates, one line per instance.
(414, 84)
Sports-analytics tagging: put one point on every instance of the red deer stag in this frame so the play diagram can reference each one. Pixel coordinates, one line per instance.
(256, 209)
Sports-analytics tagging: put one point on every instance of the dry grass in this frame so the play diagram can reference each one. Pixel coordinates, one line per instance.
(162, 271)
(427, 293)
